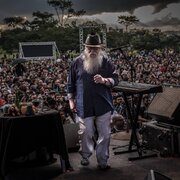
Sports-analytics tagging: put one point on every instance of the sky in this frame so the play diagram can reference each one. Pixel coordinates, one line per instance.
(147, 11)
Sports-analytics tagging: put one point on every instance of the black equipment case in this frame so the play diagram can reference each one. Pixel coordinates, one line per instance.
(161, 137)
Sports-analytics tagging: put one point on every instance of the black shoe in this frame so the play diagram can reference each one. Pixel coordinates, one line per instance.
(84, 161)
(104, 167)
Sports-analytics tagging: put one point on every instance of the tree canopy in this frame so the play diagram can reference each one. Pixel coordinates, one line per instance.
(64, 10)
(127, 20)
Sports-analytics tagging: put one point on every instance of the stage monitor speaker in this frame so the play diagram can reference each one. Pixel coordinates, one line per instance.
(166, 105)
(153, 175)
(71, 136)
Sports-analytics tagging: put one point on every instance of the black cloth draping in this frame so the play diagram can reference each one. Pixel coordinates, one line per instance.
(22, 135)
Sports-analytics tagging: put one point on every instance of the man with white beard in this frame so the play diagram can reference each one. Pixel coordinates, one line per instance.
(90, 79)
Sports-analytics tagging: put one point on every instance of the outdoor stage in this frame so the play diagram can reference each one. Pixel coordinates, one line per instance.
(121, 168)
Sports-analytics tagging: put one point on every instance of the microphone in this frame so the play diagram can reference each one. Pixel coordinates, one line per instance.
(119, 48)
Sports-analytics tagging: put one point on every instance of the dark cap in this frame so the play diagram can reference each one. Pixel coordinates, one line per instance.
(93, 40)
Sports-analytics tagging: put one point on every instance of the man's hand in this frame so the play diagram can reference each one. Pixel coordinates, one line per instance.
(99, 79)
(72, 105)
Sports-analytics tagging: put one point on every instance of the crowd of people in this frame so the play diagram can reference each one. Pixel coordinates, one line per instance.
(46, 80)
(42, 81)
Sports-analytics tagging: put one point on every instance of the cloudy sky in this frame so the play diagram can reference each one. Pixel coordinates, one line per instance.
(106, 10)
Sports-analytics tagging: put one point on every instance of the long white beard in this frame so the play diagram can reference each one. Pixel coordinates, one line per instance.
(91, 65)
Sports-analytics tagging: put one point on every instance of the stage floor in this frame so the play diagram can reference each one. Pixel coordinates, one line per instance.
(121, 168)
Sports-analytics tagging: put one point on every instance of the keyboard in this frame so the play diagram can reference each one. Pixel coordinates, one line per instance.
(137, 88)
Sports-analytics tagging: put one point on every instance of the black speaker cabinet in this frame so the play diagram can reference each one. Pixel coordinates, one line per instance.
(165, 106)
(163, 139)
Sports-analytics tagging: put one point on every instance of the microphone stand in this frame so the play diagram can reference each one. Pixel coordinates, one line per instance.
(132, 69)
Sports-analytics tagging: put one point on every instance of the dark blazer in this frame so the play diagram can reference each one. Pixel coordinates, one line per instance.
(91, 99)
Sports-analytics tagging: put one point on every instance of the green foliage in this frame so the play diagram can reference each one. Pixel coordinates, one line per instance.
(159, 40)
(43, 20)
(127, 20)
(115, 39)
(15, 21)
(68, 38)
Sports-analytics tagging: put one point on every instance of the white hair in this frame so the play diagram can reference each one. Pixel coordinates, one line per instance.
(91, 65)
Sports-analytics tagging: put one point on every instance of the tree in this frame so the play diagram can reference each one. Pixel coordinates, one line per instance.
(127, 20)
(64, 10)
(15, 22)
(42, 20)
(72, 14)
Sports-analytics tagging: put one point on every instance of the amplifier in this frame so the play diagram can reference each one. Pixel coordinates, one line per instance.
(161, 138)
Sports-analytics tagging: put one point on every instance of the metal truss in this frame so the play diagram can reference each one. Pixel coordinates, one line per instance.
(102, 27)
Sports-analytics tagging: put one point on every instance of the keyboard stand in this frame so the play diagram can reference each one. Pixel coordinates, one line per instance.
(133, 113)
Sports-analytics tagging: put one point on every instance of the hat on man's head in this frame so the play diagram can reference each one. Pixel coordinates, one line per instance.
(93, 40)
